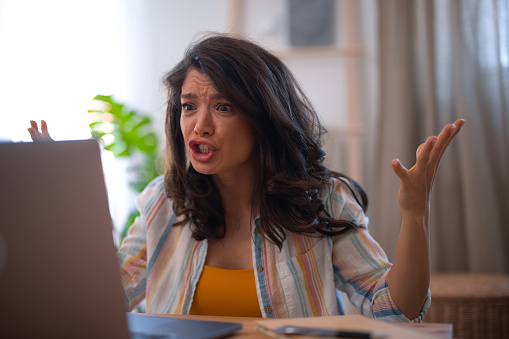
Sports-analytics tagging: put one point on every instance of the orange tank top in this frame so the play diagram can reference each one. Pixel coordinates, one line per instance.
(224, 292)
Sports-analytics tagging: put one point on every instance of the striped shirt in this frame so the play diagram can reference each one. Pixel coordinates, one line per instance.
(162, 264)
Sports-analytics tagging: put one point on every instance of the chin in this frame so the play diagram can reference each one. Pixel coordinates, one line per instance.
(203, 169)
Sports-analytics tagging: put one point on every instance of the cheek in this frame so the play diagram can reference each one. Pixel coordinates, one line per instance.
(185, 134)
(184, 126)
(245, 135)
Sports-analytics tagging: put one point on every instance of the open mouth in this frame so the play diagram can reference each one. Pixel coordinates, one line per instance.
(201, 151)
(203, 148)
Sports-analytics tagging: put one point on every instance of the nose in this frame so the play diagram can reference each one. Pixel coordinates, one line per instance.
(204, 125)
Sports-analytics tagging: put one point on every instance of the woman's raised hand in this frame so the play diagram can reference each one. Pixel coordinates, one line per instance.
(42, 135)
(417, 182)
(408, 279)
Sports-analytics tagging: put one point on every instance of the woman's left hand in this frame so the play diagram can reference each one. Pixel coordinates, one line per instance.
(409, 277)
(417, 182)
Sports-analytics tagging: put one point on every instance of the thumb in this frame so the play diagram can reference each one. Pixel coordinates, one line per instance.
(399, 169)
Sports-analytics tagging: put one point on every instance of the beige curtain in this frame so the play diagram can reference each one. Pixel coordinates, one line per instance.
(439, 61)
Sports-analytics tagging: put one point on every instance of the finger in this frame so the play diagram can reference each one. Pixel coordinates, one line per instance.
(32, 133)
(44, 128)
(419, 149)
(459, 122)
(399, 169)
(34, 130)
(455, 130)
(426, 147)
(424, 151)
(444, 139)
(33, 123)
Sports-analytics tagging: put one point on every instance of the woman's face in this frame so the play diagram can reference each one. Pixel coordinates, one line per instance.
(219, 140)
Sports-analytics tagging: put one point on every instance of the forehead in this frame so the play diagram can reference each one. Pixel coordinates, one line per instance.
(197, 83)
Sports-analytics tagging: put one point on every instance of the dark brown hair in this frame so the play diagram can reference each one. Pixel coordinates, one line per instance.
(290, 171)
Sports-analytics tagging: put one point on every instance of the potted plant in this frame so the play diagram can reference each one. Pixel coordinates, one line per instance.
(127, 134)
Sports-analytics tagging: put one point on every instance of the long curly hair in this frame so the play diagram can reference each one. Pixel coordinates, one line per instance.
(289, 169)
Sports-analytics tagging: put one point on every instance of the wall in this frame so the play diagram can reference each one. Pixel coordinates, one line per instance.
(158, 32)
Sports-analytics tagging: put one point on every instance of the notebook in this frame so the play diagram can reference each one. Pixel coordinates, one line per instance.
(59, 275)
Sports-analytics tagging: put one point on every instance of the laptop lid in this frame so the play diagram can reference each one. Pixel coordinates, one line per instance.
(59, 274)
(58, 270)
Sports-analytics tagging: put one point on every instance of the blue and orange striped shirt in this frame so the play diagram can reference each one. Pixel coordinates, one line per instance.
(163, 264)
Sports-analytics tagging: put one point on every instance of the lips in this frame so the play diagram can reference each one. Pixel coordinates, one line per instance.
(201, 151)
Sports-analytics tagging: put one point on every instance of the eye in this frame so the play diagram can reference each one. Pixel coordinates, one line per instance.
(224, 108)
(187, 107)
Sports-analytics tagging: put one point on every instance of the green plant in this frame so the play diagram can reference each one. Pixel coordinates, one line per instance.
(126, 134)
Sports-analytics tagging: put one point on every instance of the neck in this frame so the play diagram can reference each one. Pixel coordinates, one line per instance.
(236, 193)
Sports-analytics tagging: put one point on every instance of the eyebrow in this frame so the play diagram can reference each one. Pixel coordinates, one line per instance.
(194, 95)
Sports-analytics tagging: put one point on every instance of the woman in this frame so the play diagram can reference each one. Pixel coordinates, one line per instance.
(247, 221)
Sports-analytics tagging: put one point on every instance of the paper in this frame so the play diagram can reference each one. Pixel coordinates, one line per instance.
(344, 323)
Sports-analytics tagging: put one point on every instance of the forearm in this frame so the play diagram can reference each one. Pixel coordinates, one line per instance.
(408, 279)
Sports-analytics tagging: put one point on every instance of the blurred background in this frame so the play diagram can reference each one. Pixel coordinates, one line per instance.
(383, 75)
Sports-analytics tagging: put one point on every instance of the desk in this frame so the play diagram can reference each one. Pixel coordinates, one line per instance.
(248, 331)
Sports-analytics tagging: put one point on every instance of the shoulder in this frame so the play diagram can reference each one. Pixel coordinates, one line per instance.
(342, 201)
(340, 190)
(153, 194)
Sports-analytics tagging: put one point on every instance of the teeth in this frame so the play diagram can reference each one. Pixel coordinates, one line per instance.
(204, 148)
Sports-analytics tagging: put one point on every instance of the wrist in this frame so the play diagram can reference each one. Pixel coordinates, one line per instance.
(420, 220)
(420, 213)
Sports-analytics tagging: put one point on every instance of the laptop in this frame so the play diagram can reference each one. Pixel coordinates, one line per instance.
(59, 275)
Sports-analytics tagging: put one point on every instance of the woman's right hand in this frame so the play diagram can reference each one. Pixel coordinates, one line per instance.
(42, 135)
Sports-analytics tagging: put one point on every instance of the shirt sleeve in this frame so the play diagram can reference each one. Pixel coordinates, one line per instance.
(132, 254)
(360, 264)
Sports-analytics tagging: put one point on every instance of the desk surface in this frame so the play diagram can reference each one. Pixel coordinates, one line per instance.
(248, 331)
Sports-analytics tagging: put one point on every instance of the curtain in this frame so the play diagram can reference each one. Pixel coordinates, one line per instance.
(439, 61)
